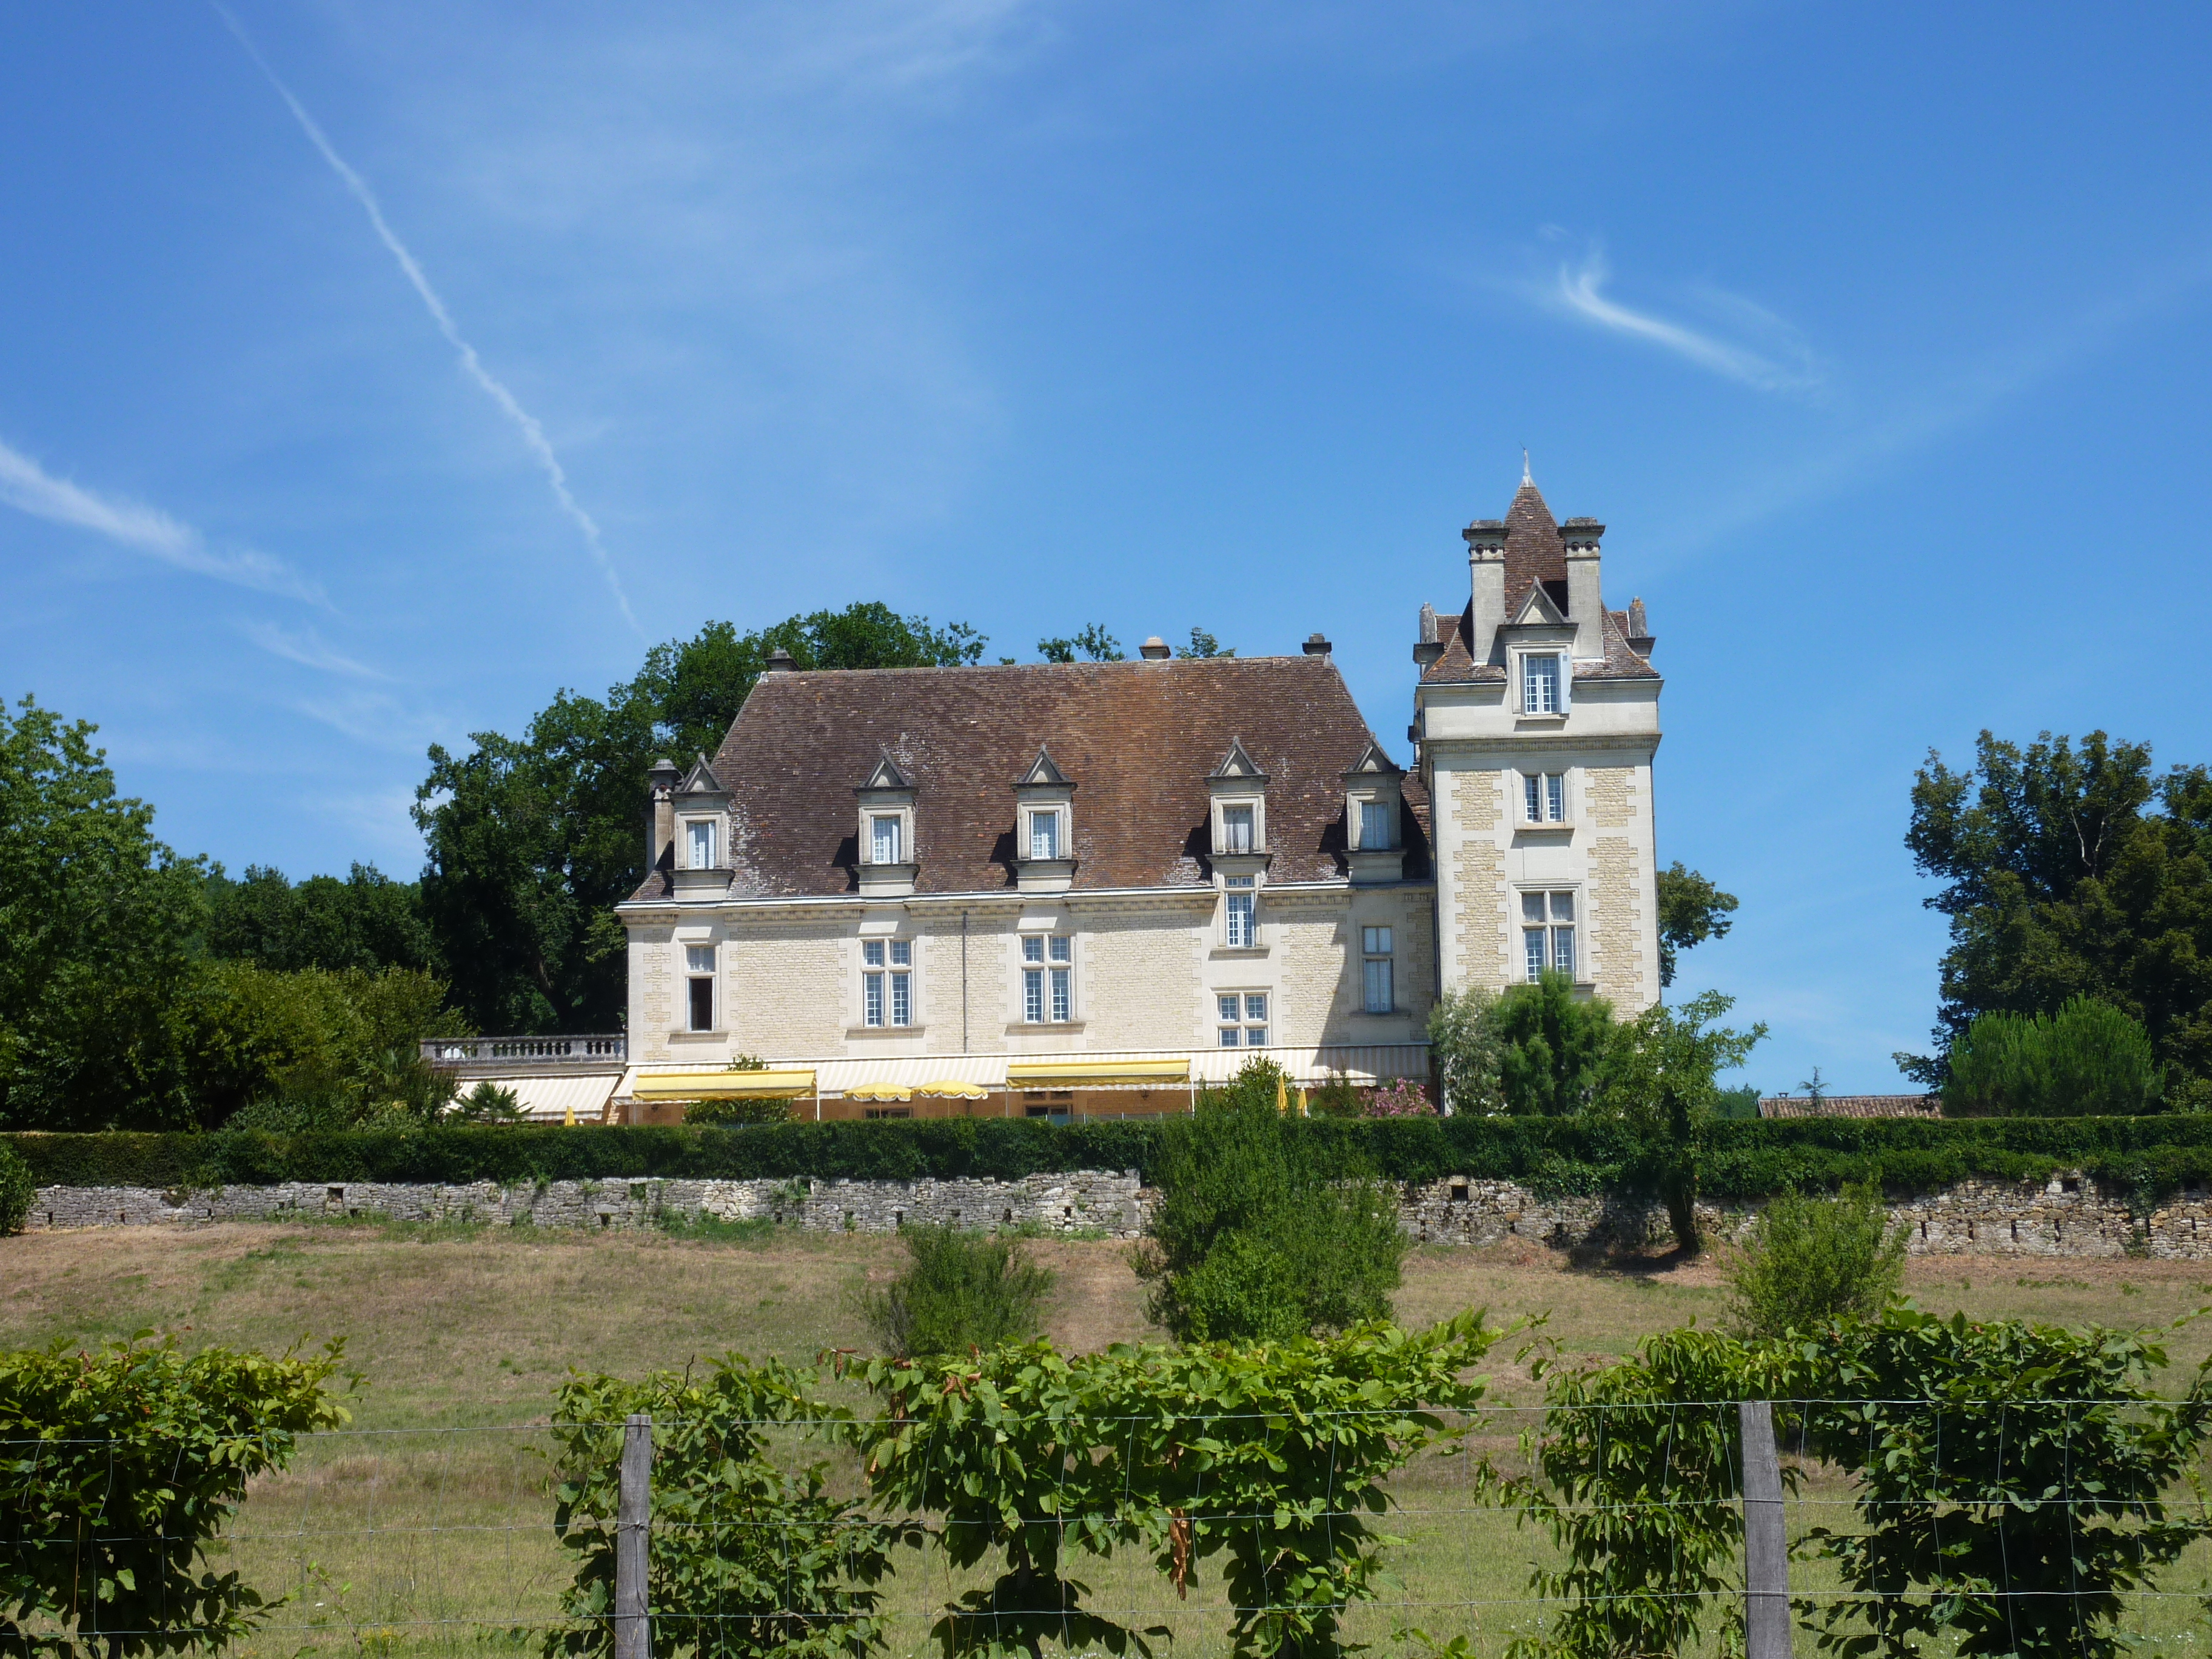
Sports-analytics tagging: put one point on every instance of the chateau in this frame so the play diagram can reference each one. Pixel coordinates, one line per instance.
(1092, 887)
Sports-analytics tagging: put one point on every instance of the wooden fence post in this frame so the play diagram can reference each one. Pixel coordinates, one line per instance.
(633, 1525)
(1767, 1621)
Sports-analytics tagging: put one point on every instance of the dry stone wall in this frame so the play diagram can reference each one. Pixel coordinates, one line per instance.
(2067, 1216)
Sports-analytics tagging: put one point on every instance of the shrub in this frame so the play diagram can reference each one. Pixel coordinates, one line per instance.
(961, 1292)
(738, 1112)
(487, 1102)
(1811, 1260)
(122, 1465)
(1271, 1461)
(1402, 1098)
(747, 1555)
(1339, 1096)
(2088, 1060)
(17, 1189)
(1260, 1234)
(1551, 1046)
(1465, 1043)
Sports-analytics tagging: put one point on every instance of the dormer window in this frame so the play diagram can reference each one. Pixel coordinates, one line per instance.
(1237, 830)
(1540, 689)
(1044, 818)
(1044, 835)
(699, 844)
(1372, 799)
(1374, 825)
(885, 843)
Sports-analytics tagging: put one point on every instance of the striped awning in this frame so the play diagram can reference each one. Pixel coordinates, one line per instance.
(1097, 1073)
(778, 1085)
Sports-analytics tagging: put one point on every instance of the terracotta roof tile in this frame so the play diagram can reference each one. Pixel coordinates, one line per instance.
(1137, 740)
(1852, 1106)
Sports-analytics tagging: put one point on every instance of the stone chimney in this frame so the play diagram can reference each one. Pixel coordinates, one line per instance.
(1639, 630)
(1427, 648)
(779, 661)
(1486, 559)
(1317, 645)
(1154, 649)
(1585, 608)
(660, 814)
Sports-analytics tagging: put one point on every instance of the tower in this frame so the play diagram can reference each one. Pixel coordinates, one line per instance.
(1535, 719)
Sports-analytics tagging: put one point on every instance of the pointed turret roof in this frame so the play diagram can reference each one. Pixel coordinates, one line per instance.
(1534, 549)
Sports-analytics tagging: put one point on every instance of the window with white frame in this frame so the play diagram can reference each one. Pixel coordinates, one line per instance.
(886, 981)
(1373, 824)
(699, 843)
(886, 843)
(1540, 683)
(1243, 1018)
(699, 963)
(1240, 893)
(1377, 970)
(1047, 979)
(1044, 835)
(1237, 830)
(1547, 934)
(1543, 797)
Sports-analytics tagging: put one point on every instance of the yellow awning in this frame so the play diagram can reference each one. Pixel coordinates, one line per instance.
(724, 1085)
(948, 1090)
(879, 1091)
(1097, 1073)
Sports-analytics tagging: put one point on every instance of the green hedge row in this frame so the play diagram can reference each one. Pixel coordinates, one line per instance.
(1742, 1160)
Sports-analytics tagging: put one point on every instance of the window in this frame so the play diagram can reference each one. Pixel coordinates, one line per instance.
(1243, 1018)
(1044, 835)
(1544, 796)
(1540, 684)
(1373, 824)
(1049, 986)
(1240, 912)
(886, 981)
(884, 839)
(1548, 932)
(700, 836)
(699, 960)
(1377, 975)
(1235, 828)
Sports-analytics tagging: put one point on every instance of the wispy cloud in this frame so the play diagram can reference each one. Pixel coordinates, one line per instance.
(1777, 362)
(306, 649)
(533, 433)
(29, 488)
(375, 718)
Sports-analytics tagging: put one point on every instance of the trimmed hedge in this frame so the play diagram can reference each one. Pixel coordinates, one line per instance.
(1554, 1155)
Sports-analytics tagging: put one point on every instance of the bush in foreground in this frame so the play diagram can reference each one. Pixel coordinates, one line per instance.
(961, 1293)
(1811, 1260)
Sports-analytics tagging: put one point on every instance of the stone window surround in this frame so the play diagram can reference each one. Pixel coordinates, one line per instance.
(1046, 925)
(883, 929)
(720, 823)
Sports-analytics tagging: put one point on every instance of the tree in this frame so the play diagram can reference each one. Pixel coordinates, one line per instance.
(1203, 644)
(1658, 1077)
(99, 919)
(1093, 641)
(1465, 1043)
(2071, 871)
(1690, 911)
(1811, 1260)
(2088, 1060)
(1551, 1046)
(366, 920)
(533, 842)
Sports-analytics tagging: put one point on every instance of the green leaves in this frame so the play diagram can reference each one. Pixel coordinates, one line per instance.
(118, 1468)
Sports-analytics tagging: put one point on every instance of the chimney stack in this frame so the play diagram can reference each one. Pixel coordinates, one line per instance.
(1154, 649)
(1317, 645)
(1585, 608)
(1486, 560)
(1639, 630)
(660, 813)
(779, 661)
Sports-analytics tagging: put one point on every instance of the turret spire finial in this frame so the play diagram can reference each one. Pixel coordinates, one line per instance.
(1525, 479)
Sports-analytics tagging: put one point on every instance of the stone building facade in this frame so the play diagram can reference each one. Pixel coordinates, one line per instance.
(888, 880)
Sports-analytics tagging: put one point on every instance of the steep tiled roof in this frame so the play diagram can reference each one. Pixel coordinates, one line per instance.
(1533, 550)
(1852, 1106)
(1137, 740)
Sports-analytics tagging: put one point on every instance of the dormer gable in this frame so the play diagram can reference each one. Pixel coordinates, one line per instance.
(887, 856)
(1237, 826)
(1539, 609)
(1374, 793)
(1237, 767)
(1373, 761)
(1044, 826)
(884, 775)
(1043, 773)
(699, 811)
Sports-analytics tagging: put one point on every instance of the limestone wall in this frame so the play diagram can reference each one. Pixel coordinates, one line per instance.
(2068, 1216)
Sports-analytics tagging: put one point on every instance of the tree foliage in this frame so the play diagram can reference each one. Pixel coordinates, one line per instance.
(2069, 872)
(17, 1189)
(1465, 1043)
(1092, 641)
(532, 840)
(1659, 1078)
(1256, 1239)
(1690, 911)
(1551, 1046)
(122, 1466)
(1811, 1260)
(367, 920)
(960, 1292)
(2088, 1060)
(1203, 644)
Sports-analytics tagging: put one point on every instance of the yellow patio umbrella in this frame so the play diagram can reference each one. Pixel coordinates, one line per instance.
(879, 1092)
(1282, 1099)
(947, 1089)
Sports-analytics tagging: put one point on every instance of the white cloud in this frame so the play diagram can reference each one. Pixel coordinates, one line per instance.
(307, 649)
(375, 718)
(533, 433)
(1780, 363)
(29, 488)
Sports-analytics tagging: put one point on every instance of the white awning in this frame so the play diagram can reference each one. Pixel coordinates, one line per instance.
(546, 1099)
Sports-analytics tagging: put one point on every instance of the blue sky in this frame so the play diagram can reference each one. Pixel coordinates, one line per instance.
(1875, 335)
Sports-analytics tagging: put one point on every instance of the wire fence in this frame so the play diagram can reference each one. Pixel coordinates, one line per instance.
(383, 1542)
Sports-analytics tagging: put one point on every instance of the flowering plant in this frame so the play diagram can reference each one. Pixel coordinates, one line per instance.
(1402, 1098)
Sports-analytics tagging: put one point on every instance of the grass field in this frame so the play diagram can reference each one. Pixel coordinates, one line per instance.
(424, 1528)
